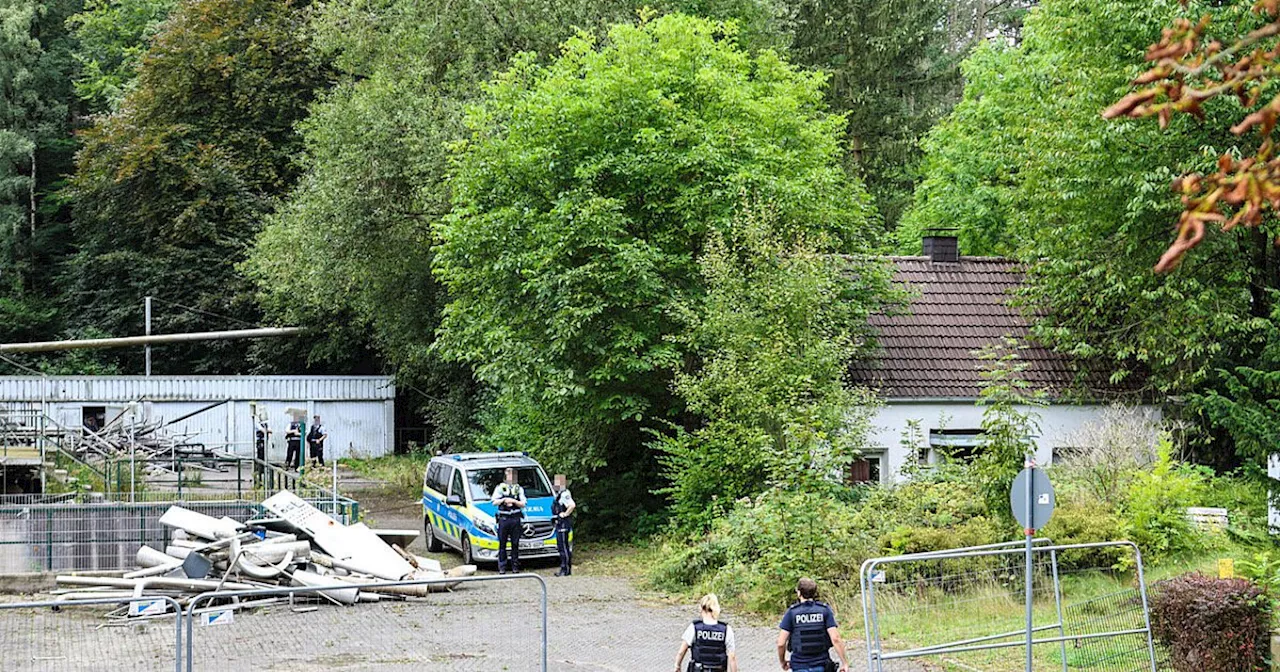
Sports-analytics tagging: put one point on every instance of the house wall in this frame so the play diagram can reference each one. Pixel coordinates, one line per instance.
(1058, 425)
(357, 411)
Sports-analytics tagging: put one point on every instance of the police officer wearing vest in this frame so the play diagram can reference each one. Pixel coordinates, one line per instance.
(316, 438)
(709, 640)
(562, 506)
(510, 500)
(293, 445)
(809, 631)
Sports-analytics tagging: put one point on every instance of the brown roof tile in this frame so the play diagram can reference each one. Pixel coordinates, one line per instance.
(957, 309)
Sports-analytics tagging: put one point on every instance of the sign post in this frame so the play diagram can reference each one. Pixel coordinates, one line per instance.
(1032, 500)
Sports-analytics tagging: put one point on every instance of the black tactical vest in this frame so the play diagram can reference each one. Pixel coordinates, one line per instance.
(809, 637)
(710, 646)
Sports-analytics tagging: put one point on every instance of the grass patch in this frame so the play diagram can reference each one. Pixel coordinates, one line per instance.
(1093, 601)
(401, 474)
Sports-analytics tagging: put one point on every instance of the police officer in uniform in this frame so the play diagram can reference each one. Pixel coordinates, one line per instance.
(562, 506)
(510, 500)
(709, 640)
(809, 630)
(262, 435)
(316, 437)
(293, 444)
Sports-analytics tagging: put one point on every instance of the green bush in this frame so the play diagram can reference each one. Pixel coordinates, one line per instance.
(1154, 510)
(1085, 520)
(755, 554)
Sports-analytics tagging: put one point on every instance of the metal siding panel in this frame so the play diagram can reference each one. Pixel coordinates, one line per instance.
(120, 389)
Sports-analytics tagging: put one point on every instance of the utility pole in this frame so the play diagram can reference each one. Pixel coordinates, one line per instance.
(148, 333)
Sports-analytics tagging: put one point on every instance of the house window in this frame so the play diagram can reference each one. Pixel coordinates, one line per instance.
(957, 444)
(93, 417)
(866, 470)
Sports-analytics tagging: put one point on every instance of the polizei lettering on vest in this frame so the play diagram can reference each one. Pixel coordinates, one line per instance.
(809, 618)
(711, 635)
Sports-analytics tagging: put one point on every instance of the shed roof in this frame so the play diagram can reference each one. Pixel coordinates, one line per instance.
(121, 389)
(956, 310)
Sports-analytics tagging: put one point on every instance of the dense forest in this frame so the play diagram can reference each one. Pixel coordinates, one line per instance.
(619, 234)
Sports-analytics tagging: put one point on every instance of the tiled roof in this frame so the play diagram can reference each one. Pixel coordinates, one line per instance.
(956, 309)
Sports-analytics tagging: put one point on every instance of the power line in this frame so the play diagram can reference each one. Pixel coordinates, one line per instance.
(205, 312)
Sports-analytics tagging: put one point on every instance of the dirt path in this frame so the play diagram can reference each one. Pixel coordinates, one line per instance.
(599, 620)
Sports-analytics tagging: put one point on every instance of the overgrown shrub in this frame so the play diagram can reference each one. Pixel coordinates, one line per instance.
(1212, 625)
(1086, 520)
(1106, 454)
(1155, 510)
(755, 553)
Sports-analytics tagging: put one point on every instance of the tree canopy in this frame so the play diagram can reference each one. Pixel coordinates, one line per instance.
(582, 200)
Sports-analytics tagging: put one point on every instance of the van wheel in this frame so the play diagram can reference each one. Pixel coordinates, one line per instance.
(433, 544)
(467, 557)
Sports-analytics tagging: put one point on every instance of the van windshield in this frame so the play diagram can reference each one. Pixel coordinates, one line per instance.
(483, 482)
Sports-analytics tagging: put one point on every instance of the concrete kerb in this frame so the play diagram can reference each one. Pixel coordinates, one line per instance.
(62, 604)
(298, 590)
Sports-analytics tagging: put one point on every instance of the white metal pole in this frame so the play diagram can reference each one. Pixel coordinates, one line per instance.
(334, 461)
(148, 333)
(1031, 522)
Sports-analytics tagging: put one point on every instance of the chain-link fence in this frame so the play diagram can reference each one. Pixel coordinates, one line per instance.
(73, 636)
(106, 536)
(966, 608)
(488, 623)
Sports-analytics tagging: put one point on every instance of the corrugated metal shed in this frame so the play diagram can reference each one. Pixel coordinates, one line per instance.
(121, 389)
(358, 411)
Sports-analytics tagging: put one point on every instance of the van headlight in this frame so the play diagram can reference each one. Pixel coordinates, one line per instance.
(486, 527)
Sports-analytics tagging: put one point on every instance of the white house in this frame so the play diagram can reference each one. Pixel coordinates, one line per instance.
(219, 411)
(928, 369)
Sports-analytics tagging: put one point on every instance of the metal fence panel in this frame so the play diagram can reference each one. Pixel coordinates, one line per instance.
(106, 536)
(489, 623)
(965, 608)
(74, 636)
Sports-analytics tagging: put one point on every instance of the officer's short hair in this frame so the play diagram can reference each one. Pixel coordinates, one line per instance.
(807, 587)
(710, 604)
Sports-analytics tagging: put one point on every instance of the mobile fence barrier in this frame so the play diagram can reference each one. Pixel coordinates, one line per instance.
(58, 635)
(964, 607)
(68, 537)
(498, 623)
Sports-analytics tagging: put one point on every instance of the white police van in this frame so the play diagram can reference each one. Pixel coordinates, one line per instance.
(456, 511)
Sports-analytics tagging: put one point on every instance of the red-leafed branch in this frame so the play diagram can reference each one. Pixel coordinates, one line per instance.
(1186, 72)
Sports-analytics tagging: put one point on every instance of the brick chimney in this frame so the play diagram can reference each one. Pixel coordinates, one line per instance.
(941, 246)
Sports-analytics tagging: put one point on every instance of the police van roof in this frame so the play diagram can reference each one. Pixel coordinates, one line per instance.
(480, 460)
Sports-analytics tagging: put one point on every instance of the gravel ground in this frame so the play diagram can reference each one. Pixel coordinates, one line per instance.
(597, 623)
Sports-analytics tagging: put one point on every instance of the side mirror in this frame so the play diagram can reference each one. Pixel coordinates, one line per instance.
(453, 500)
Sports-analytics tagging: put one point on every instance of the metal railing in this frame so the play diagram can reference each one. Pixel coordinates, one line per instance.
(107, 535)
(982, 580)
(282, 641)
(91, 645)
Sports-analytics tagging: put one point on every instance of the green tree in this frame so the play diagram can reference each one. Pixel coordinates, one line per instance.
(772, 338)
(581, 202)
(1009, 421)
(112, 36)
(377, 165)
(1027, 167)
(36, 111)
(894, 69)
(171, 188)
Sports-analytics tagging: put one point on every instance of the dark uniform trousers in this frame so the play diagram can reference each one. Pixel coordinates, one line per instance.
(293, 456)
(564, 526)
(510, 529)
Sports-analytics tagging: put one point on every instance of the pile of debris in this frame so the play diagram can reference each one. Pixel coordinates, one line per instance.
(297, 545)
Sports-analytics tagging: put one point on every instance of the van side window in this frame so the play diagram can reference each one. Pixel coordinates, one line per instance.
(435, 477)
(457, 486)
